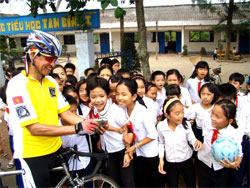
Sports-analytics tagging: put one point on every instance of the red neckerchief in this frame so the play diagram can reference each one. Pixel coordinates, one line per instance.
(215, 135)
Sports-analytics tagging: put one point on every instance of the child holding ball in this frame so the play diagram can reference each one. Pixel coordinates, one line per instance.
(211, 172)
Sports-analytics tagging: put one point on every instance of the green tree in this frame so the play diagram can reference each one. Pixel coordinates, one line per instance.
(128, 47)
(226, 12)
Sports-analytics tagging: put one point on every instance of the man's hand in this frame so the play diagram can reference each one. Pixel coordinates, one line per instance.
(86, 126)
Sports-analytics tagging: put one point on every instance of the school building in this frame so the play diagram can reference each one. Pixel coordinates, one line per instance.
(176, 25)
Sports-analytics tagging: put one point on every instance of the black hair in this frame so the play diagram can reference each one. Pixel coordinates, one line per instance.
(237, 77)
(71, 100)
(87, 70)
(97, 82)
(9, 71)
(122, 71)
(68, 88)
(83, 81)
(54, 75)
(114, 79)
(227, 91)
(58, 66)
(211, 88)
(16, 72)
(105, 67)
(114, 61)
(70, 66)
(168, 110)
(149, 85)
(202, 65)
(156, 73)
(175, 72)
(139, 77)
(71, 79)
(173, 89)
(132, 87)
(106, 61)
(92, 75)
(229, 109)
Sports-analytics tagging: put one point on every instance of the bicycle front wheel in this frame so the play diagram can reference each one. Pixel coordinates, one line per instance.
(101, 181)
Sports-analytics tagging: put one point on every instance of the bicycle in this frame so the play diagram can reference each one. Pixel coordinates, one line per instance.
(99, 180)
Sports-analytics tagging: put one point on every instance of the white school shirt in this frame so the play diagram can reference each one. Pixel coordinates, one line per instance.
(205, 155)
(82, 146)
(143, 126)
(8, 122)
(199, 114)
(113, 141)
(85, 110)
(175, 143)
(241, 94)
(244, 117)
(161, 97)
(152, 107)
(185, 97)
(2, 104)
(192, 86)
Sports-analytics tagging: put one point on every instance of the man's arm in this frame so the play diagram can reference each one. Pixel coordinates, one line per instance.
(70, 117)
(38, 129)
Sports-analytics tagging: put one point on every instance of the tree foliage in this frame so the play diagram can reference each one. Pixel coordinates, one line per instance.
(226, 11)
(128, 46)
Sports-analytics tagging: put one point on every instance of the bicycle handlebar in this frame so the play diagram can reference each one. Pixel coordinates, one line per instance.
(98, 156)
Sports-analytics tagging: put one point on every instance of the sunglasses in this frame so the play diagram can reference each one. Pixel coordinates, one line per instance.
(51, 59)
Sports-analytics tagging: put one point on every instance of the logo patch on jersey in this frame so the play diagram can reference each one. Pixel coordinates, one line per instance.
(17, 100)
(22, 111)
(52, 91)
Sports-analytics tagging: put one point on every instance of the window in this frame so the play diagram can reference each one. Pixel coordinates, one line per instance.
(69, 39)
(153, 36)
(233, 37)
(170, 36)
(23, 42)
(96, 38)
(201, 36)
(12, 43)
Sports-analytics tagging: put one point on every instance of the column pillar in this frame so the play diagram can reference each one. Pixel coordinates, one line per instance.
(84, 51)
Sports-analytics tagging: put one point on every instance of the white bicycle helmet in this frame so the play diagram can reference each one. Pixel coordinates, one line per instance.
(46, 43)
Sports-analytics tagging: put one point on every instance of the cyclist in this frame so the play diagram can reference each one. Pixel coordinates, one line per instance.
(35, 103)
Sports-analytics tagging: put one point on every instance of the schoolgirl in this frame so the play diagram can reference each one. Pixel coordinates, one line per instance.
(173, 76)
(198, 112)
(211, 172)
(151, 92)
(118, 164)
(174, 91)
(60, 71)
(82, 165)
(158, 78)
(141, 90)
(113, 81)
(84, 106)
(71, 90)
(145, 143)
(105, 72)
(199, 77)
(175, 135)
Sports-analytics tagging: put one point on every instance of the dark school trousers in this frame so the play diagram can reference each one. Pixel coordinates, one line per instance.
(208, 177)
(185, 168)
(146, 172)
(40, 168)
(124, 177)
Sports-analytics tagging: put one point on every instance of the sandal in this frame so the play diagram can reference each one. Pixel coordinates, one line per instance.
(10, 165)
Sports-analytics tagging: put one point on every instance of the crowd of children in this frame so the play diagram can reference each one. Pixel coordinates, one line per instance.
(158, 130)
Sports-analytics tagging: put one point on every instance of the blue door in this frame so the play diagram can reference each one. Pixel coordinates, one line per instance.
(161, 40)
(104, 39)
(178, 42)
(244, 40)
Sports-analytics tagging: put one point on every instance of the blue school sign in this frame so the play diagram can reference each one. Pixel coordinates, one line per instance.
(47, 22)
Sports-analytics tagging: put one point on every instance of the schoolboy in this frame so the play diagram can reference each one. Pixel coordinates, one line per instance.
(70, 68)
(88, 71)
(123, 73)
(237, 80)
(158, 78)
